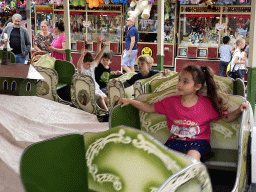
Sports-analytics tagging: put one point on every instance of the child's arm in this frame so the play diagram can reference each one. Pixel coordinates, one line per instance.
(99, 55)
(234, 114)
(241, 61)
(81, 60)
(140, 105)
(98, 40)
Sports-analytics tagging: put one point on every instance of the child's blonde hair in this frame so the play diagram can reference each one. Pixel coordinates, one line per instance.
(239, 41)
(145, 58)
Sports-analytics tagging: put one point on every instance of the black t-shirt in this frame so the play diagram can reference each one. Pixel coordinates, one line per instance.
(138, 76)
(15, 42)
(102, 75)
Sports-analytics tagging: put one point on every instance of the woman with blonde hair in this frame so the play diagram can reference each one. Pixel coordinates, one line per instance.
(44, 38)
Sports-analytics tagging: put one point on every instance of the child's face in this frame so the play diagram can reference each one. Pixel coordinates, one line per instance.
(186, 84)
(105, 61)
(143, 67)
(87, 65)
(242, 44)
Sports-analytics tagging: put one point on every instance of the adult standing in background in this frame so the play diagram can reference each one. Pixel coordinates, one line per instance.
(131, 50)
(57, 46)
(18, 38)
(43, 38)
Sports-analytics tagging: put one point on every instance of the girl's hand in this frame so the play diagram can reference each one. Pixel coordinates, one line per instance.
(243, 106)
(124, 101)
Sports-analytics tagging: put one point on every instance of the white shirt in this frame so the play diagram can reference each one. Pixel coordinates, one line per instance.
(91, 72)
(238, 54)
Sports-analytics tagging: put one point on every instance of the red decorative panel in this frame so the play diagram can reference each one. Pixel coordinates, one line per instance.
(114, 47)
(94, 46)
(192, 51)
(212, 53)
(75, 56)
(214, 64)
(168, 55)
(116, 63)
(79, 45)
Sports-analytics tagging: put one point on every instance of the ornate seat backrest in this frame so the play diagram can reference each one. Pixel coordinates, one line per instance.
(83, 94)
(46, 88)
(126, 159)
(144, 85)
(117, 91)
(226, 85)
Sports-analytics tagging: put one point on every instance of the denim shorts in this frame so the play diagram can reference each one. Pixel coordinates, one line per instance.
(129, 61)
(202, 146)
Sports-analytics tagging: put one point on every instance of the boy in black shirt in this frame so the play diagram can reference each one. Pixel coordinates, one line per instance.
(103, 71)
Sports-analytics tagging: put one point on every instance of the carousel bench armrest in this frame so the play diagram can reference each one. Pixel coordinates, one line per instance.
(223, 159)
(61, 85)
(127, 115)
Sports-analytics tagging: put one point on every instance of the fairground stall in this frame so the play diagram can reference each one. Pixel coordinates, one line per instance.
(201, 31)
(86, 24)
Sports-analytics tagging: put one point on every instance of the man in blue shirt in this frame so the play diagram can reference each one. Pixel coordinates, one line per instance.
(131, 50)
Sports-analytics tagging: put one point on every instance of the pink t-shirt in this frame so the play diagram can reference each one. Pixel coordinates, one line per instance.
(188, 123)
(57, 43)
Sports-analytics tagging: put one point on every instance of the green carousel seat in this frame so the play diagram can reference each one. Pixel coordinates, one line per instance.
(49, 67)
(56, 164)
(229, 141)
(121, 159)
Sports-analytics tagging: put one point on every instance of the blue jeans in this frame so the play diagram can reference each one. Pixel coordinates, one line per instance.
(223, 67)
(20, 58)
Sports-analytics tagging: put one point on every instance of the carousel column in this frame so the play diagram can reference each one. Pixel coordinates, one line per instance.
(160, 35)
(251, 78)
(67, 30)
(28, 15)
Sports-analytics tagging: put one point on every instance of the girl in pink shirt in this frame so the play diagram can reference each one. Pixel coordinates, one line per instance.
(189, 114)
